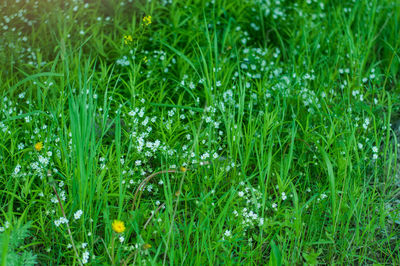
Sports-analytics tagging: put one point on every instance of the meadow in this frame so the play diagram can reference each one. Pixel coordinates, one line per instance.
(197, 132)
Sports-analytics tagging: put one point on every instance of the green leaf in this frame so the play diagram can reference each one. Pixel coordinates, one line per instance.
(275, 258)
(311, 257)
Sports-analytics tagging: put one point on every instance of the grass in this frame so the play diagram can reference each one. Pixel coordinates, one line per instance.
(223, 132)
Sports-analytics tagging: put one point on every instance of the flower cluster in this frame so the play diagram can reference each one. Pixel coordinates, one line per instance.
(147, 20)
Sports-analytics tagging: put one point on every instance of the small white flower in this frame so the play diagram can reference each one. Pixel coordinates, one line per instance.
(191, 85)
(63, 220)
(261, 222)
(240, 194)
(57, 223)
(78, 214)
(85, 257)
(17, 169)
(121, 239)
(284, 196)
(227, 233)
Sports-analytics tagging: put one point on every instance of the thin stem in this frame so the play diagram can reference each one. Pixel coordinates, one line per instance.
(152, 215)
(112, 248)
(108, 253)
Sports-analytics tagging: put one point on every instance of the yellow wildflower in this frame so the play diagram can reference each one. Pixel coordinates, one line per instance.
(118, 226)
(39, 146)
(127, 39)
(183, 169)
(147, 20)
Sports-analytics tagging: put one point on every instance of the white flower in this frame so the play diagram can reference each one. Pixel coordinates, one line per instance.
(240, 194)
(375, 149)
(57, 223)
(17, 169)
(191, 85)
(62, 195)
(284, 196)
(78, 214)
(85, 257)
(121, 239)
(227, 233)
(261, 222)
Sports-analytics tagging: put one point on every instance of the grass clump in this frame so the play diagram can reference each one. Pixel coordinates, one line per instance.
(200, 132)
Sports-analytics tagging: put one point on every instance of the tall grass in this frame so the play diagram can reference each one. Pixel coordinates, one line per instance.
(225, 132)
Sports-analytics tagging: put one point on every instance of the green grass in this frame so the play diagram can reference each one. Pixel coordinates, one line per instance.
(244, 132)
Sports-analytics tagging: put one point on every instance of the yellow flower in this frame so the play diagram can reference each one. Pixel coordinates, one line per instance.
(147, 20)
(127, 39)
(39, 146)
(183, 169)
(118, 226)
